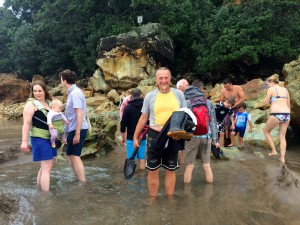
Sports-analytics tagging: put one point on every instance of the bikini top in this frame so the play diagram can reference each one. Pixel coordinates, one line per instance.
(273, 98)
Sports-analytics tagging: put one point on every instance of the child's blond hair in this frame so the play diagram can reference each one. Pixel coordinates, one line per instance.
(57, 102)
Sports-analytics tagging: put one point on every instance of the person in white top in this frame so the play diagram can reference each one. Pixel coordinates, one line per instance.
(55, 115)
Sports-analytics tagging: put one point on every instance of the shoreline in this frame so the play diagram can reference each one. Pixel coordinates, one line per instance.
(21, 158)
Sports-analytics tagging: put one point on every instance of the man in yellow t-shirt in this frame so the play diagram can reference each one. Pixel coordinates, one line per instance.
(158, 107)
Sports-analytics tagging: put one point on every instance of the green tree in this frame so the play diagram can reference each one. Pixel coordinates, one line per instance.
(248, 33)
(72, 30)
(24, 52)
(209, 35)
(25, 10)
(8, 26)
(178, 18)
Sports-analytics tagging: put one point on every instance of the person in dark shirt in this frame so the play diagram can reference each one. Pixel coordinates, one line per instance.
(223, 109)
(130, 118)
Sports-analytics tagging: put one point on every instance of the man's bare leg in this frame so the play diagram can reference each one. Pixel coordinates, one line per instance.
(142, 164)
(208, 172)
(181, 157)
(170, 180)
(221, 139)
(188, 173)
(78, 167)
(153, 182)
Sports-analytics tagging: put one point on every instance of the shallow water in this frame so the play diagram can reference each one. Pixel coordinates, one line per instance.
(245, 191)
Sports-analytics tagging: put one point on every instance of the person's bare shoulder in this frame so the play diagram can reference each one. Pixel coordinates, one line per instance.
(237, 87)
(223, 91)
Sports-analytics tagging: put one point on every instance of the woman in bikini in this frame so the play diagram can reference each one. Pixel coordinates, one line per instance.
(280, 109)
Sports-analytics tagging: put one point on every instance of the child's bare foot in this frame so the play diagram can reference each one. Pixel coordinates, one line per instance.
(231, 145)
(272, 153)
(282, 161)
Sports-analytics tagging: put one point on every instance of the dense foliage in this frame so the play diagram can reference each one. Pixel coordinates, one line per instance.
(46, 36)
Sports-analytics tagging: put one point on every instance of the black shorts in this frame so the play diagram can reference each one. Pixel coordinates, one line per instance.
(221, 126)
(167, 157)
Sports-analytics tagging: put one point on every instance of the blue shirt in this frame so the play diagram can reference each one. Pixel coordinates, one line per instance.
(241, 119)
(76, 100)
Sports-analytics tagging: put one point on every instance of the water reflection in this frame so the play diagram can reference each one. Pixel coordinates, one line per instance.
(244, 192)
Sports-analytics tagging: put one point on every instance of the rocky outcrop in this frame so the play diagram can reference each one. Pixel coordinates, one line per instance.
(12, 89)
(12, 111)
(292, 73)
(255, 91)
(9, 203)
(8, 153)
(129, 58)
(98, 83)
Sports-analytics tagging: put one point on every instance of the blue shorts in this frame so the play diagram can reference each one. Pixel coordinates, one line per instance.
(41, 149)
(75, 149)
(240, 130)
(141, 152)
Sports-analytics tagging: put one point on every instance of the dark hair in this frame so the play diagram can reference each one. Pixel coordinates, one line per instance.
(231, 101)
(136, 93)
(227, 81)
(198, 83)
(243, 105)
(68, 75)
(44, 87)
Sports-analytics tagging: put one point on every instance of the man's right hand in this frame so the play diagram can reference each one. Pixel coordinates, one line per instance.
(123, 138)
(136, 143)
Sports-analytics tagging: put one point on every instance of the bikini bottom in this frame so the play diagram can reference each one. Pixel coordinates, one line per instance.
(282, 117)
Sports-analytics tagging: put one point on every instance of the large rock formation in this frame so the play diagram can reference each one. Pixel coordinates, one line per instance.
(292, 73)
(129, 58)
(255, 91)
(12, 89)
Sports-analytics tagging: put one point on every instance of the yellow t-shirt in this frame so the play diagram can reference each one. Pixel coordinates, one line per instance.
(160, 106)
(164, 106)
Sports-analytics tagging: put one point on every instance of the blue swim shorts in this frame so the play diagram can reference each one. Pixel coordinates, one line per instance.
(141, 152)
(240, 130)
(41, 149)
(75, 149)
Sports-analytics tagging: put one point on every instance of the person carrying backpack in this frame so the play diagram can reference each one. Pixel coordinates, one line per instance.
(205, 134)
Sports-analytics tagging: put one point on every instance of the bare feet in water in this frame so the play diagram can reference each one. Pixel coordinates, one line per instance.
(272, 153)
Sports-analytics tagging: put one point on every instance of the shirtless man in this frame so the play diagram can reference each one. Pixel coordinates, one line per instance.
(231, 91)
